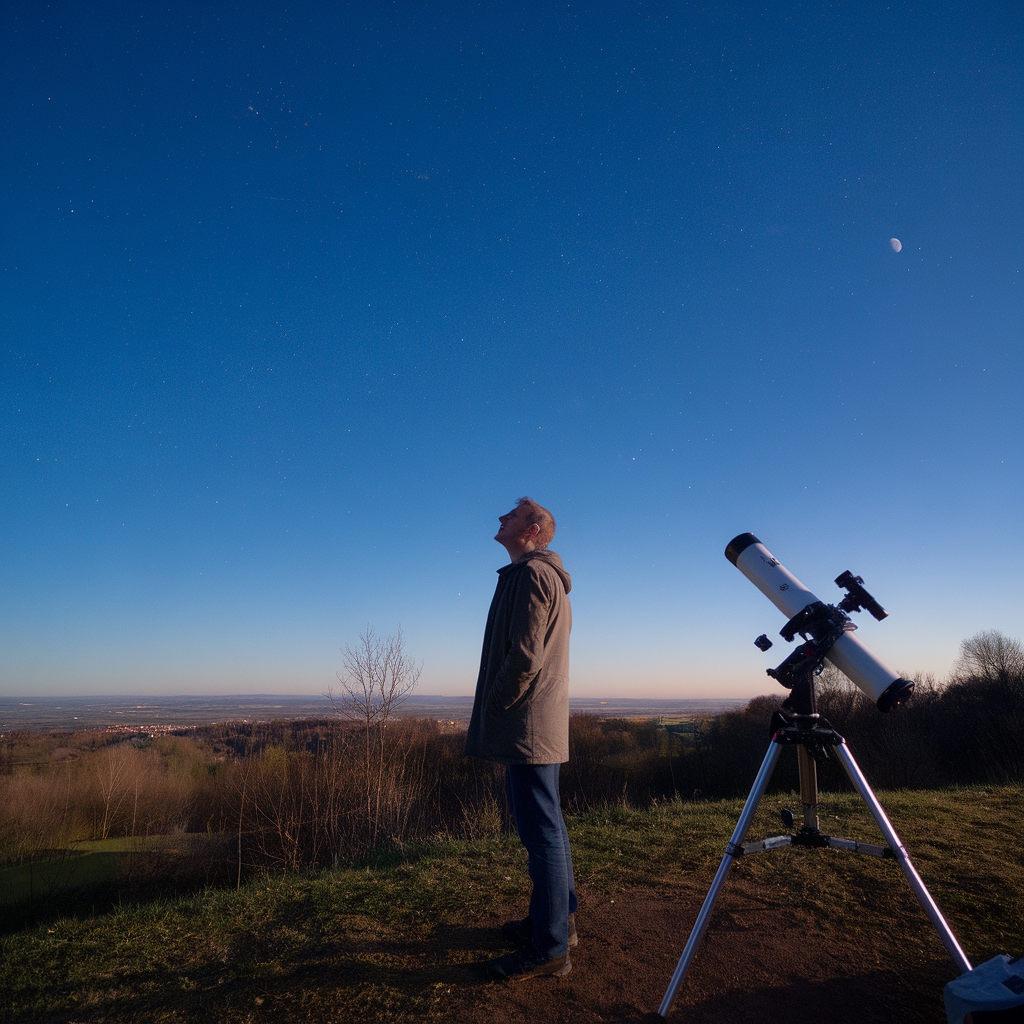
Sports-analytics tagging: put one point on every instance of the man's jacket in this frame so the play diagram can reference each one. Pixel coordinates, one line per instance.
(521, 709)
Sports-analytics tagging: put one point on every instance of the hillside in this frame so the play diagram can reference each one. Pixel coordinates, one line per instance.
(797, 935)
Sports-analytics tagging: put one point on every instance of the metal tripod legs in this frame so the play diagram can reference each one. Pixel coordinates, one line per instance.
(924, 897)
(731, 852)
(735, 849)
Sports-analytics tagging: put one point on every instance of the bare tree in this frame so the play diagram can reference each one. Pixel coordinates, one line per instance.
(376, 677)
(112, 773)
(991, 656)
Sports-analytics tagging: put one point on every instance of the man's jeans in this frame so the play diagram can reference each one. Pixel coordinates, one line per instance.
(533, 793)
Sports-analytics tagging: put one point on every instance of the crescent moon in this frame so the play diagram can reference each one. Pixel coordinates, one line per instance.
(896, 244)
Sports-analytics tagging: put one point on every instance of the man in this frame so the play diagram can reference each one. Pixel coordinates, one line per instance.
(521, 719)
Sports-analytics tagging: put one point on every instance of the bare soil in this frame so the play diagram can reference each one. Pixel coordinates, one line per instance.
(762, 961)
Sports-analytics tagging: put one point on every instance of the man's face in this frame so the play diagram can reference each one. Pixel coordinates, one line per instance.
(516, 533)
(512, 525)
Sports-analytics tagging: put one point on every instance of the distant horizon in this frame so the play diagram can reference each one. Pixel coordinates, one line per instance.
(299, 696)
(130, 713)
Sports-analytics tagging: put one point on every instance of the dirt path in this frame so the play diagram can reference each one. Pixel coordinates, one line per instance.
(759, 963)
(767, 958)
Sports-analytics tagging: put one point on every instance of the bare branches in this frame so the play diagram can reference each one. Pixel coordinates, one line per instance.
(991, 656)
(376, 677)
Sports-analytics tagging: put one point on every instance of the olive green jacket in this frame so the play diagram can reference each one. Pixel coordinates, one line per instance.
(521, 709)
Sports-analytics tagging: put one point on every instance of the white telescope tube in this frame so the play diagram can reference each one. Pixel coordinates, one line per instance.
(885, 687)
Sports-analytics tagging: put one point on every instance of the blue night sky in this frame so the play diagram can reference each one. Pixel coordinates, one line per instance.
(295, 301)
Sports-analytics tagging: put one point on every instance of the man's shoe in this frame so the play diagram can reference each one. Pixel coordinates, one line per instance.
(526, 963)
(521, 932)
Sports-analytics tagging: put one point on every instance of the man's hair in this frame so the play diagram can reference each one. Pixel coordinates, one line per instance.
(542, 517)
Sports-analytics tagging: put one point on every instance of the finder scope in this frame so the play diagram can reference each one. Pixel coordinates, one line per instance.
(885, 687)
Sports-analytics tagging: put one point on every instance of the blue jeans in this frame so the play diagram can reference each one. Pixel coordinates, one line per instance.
(533, 793)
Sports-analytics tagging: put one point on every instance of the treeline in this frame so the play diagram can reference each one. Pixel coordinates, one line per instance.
(289, 795)
(966, 731)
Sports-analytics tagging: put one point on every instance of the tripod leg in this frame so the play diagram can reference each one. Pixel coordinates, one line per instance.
(924, 897)
(701, 924)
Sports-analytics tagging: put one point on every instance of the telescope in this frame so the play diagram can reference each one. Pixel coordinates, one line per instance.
(824, 627)
(997, 984)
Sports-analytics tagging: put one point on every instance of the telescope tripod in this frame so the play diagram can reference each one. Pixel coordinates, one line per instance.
(812, 737)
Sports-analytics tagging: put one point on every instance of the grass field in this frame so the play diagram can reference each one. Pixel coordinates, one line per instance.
(797, 932)
(93, 864)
